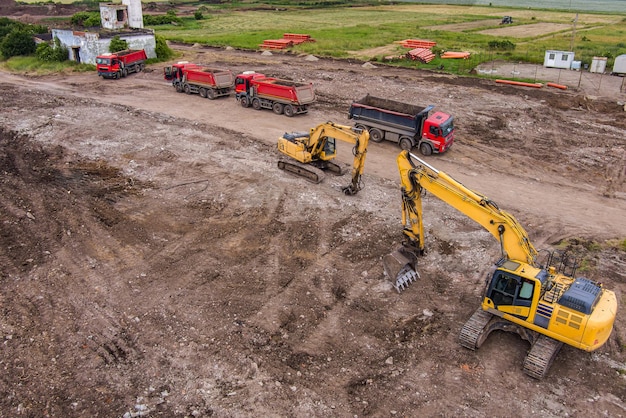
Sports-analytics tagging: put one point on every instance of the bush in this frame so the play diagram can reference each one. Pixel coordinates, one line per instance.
(117, 44)
(153, 20)
(505, 45)
(7, 26)
(17, 42)
(86, 19)
(163, 51)
(47, 52)
(198, 15)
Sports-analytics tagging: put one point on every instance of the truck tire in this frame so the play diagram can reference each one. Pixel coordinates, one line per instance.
(202, 92)
(244, 102)
(426, 149)
(289, 111)
(179, 88)
(124, 72)
(210, 94)
(406, 143)
(256, 104)
(277, 108)
(376, 135)
(187, 89)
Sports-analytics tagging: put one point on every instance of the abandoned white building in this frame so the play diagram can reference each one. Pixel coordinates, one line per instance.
(124, 20)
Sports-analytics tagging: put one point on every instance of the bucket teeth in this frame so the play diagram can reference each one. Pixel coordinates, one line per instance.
(405, 279)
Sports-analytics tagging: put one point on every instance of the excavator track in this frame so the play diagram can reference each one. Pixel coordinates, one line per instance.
(474, 328)
(541, 355)
(310, 173)
(336, 169)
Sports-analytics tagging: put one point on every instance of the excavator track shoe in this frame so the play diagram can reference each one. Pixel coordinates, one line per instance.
(473, 329)
(540, 357)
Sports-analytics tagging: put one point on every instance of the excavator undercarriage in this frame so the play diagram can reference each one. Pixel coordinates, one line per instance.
(543, 349)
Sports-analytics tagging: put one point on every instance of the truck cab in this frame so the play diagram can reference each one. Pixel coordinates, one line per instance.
(437, 133)
(242, 81)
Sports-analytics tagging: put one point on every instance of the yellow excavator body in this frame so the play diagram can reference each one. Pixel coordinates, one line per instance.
(308, 154)
(544, 306)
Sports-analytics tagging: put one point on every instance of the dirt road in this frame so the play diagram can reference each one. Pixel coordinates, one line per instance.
(159, 264)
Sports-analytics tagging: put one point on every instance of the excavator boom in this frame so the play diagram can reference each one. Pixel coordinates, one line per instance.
(416, 176)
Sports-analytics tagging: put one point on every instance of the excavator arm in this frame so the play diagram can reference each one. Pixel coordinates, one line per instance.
(417, 176)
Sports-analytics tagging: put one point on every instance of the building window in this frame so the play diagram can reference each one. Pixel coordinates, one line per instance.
(551, 56)
(564, 57)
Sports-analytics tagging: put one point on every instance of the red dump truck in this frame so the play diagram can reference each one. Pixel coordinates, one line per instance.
(282, 96)
(120, 64)
(199, 79)
(406, 124)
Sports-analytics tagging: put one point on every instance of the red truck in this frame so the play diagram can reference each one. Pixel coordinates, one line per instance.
(406, 124)
(120, 64)
(198, 79)
(282, 96)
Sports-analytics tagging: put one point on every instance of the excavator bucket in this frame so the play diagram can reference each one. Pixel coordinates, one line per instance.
(400, 268)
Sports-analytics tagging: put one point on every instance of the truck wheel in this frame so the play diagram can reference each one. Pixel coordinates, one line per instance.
(406, 144)
(426, 149)
(288, 110)
(179, 88)
(124, 72)
(278, 108)
(202, 92)
(210, 94)
(187, 89)
(244, 102)
(360, 127)
(256, 104)
(376, 135)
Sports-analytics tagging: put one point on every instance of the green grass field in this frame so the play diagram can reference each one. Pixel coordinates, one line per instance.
(371, 33)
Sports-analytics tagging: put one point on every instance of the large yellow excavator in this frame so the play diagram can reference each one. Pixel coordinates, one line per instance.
(310, 153)
(540, 303)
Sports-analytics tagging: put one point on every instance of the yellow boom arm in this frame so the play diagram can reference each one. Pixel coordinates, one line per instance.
(513, 239)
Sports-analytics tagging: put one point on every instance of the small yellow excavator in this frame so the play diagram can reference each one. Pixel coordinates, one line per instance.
(541, 303)
(312, 152)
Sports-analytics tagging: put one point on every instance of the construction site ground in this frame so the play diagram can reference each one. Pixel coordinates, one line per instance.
(156, 262)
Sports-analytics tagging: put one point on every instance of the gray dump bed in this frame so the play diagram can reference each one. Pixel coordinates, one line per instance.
(389, 112)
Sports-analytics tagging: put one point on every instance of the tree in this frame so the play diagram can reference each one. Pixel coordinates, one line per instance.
(17, 42)
(163, 51)
(117, 44)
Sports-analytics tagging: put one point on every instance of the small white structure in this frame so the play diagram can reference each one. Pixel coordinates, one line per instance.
(86, 46)
(135, 13)
(598, 65)
(619, 66)
(558, 59)
(123, 20)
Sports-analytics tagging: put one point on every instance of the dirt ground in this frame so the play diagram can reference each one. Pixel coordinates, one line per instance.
(157, 263)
